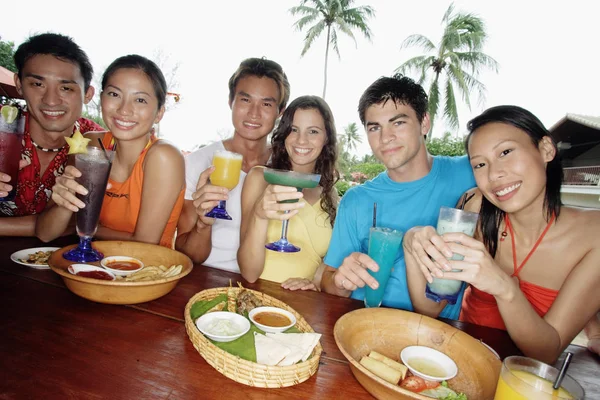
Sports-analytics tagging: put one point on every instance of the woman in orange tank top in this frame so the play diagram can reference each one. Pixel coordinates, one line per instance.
(147, 179)
(532, 267)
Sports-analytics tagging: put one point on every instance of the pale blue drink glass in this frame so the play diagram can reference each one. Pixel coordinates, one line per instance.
(384, 244)
(451, 220)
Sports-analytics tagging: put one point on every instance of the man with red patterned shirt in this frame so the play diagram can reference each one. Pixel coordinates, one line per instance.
(54, 77)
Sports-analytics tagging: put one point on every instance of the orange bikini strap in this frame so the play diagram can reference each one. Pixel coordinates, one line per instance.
(535, 246)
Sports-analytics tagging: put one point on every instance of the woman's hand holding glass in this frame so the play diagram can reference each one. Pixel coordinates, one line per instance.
(272, 205)
(65, 189)
(429, 250)
(478, 268)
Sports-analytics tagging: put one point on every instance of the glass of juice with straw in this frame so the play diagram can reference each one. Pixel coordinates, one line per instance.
(523, 378)
(228, 166)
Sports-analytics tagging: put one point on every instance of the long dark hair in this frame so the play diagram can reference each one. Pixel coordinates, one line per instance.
(490, 216)
(325, 164)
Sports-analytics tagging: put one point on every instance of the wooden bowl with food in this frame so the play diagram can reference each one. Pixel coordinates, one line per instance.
(371, 337)
(163, 268)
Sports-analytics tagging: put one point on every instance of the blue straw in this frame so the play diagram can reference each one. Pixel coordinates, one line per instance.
(374, 215)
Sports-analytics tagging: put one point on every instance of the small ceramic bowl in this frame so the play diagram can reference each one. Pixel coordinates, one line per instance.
(223, 326)
(257, 320)
(90, 271)
(419, 358)
(122, 265)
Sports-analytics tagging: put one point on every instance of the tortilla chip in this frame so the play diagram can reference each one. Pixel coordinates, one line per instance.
(269, 351)
(305, 341)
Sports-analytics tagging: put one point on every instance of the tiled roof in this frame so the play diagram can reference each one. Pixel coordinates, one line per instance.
(586, 120)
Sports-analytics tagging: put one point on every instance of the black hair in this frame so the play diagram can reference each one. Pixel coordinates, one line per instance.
(399, 89)
(59, 46)
(490, 216)
(262, 67)
(150, 68)
(326, 163)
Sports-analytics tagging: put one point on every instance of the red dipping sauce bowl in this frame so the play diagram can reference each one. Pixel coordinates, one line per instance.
(91, 271)
(121, 265)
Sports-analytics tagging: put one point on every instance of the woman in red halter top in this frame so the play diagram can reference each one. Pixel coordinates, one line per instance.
(532, 267)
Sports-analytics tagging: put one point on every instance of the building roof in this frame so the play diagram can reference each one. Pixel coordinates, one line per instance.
(575, 134)
(585, 120)
(7, 84)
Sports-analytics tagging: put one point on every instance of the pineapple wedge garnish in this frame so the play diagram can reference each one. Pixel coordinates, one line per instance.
(77, 143)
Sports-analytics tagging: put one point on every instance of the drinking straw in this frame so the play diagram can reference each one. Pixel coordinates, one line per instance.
(563, 371)
(104, 149)
(374, 215)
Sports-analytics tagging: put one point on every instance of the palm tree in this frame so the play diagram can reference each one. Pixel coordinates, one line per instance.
(458, 57)
(331, 15)
(350, 137)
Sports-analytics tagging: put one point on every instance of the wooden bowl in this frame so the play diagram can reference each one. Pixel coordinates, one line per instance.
(120, 292)
(388, 331)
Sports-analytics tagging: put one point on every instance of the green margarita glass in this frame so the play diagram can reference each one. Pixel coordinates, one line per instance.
(294, 179)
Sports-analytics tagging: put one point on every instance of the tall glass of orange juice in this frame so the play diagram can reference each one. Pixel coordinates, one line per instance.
(523, 378)
(228, 166)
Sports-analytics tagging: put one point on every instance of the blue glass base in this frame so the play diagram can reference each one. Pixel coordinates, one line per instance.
(450, 298)
(370, 306)
(282, 246)
(10, 196)
(219, 212)
(83, 255)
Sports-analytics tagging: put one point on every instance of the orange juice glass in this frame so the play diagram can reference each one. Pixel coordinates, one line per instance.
(228, 166)
(523, 378)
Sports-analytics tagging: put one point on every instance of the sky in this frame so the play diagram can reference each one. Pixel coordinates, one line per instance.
(545, 51)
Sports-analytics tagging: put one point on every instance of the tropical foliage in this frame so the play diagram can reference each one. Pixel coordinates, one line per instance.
(7, 50)
(332, 17)
(453, 66)
(446, 146)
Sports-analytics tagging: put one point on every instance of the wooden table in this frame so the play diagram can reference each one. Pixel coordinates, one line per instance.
(54, 344)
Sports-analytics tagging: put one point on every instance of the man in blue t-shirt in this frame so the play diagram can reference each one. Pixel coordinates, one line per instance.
(409, 193)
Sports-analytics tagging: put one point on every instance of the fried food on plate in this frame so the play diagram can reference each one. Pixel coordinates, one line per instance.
(37, 258)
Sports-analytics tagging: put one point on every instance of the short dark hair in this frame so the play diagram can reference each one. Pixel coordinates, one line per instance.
(59, 46)
(490, 216)
(326, 163)
(397, 88)
(145, 65)
(262, 67)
